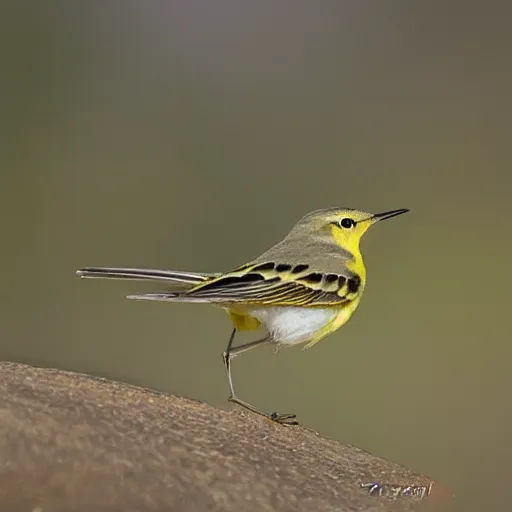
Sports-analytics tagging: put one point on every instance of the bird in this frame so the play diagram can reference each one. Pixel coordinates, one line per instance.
(299, 291)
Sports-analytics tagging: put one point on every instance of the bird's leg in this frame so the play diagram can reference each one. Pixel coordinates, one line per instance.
(227, 356)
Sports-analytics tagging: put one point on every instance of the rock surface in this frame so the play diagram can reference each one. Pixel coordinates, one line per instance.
(70, 442)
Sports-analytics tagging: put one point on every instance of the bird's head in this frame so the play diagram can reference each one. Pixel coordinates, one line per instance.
(345, 225)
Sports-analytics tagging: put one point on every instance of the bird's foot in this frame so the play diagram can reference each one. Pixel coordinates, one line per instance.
(284, 419)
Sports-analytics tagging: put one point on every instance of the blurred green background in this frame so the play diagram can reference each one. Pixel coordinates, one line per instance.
(192, 135)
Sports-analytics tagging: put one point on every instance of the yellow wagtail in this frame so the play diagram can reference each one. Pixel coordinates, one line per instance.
(301, 289)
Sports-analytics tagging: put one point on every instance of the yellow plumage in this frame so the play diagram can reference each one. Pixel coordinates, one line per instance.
(243, 321)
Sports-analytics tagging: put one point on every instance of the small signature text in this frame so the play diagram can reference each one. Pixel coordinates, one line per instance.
(397, 491)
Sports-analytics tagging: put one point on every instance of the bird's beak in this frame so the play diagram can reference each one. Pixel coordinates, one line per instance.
(388, 215)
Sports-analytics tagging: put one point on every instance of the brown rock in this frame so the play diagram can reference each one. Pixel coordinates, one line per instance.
(71, 442)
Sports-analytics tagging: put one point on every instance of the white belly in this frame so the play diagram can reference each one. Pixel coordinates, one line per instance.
(293, 325)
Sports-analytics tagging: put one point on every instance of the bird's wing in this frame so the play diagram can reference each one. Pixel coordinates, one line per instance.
(274, 284)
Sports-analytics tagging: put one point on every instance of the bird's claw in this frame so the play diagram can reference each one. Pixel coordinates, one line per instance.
(284, 419)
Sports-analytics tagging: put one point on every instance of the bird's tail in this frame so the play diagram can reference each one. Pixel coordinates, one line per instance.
(180, 281)
(168, 276)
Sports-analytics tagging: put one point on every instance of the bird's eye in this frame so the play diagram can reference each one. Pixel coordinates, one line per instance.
(347, 223)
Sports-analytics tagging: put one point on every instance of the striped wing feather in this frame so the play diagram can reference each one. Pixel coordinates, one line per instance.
(274, 284)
